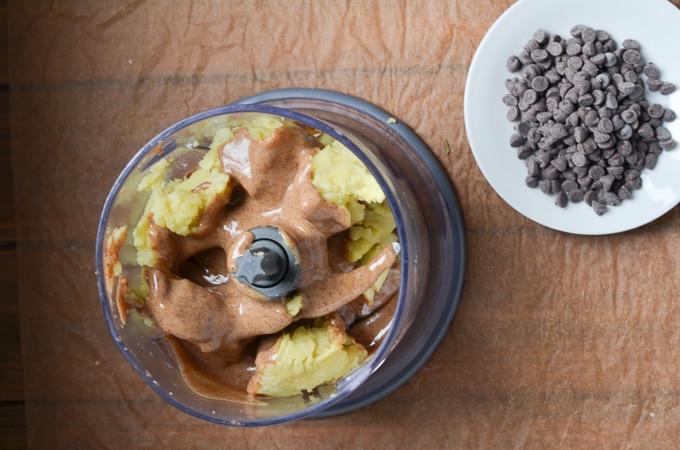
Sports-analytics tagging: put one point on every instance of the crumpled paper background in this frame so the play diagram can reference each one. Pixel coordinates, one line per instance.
(559, 340)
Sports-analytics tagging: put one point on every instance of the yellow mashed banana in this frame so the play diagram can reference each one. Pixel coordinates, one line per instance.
(179, 204)
(343, 179)
(305, 358)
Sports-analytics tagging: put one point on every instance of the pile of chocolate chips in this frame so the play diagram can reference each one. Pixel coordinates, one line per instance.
(583, 124)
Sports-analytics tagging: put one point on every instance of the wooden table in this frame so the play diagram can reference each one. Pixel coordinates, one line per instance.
(559, 341)
(12, 419)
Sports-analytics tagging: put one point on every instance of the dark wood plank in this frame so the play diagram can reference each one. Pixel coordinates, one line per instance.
(11, 379)
(7, 222)
(12, 426)
(12, 417)
(4, 41)
(12, 409)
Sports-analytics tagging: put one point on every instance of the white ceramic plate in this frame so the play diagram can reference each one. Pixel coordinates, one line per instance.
(655, 24)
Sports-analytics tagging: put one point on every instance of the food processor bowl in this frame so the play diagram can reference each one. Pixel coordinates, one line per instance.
(432, 253)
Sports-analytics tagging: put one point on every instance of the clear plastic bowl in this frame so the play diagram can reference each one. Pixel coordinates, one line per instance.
(430, 231)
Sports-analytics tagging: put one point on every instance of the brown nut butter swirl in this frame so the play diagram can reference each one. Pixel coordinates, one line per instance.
(272, 186)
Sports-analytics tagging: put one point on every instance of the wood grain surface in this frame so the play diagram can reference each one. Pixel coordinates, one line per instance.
(12, 418)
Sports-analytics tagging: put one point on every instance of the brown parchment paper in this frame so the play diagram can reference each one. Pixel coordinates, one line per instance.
(559, 340)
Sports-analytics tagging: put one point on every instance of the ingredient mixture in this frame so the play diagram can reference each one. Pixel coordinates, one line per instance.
(584, 126)
(269, 258)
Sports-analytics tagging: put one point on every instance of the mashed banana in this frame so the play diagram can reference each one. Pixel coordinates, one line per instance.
(178, 204)
(305, 358)
(341, 178)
